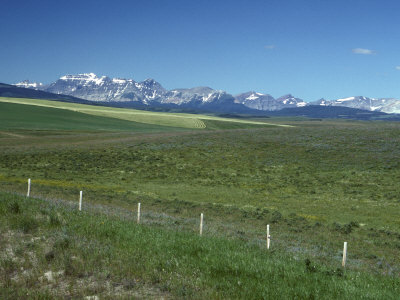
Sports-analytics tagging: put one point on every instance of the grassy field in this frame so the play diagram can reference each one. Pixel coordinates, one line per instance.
(76, 254)
(139, 116)
(19, 116)
(317, 183)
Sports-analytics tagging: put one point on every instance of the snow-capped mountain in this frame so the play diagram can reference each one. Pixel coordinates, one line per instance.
(267, 102)
(196, 96)
(90, 87)
(257, 101)
(388, 105)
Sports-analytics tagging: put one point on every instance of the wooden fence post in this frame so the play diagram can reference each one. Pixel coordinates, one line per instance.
(29, 188)
(344, 254)
(201, 224)
(138, 213)
(80, 200)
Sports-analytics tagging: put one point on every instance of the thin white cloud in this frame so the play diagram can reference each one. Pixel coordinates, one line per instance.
(269, 47)
(363, 51)
(397, 67)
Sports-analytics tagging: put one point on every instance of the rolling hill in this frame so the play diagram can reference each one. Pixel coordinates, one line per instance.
(188, 121)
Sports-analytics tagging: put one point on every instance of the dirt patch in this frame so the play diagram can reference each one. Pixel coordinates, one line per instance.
(10, 134)
(22, 266)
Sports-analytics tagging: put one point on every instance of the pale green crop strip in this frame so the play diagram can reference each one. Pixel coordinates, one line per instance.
(158, 118)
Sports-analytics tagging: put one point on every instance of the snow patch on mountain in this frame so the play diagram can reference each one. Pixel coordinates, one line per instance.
(29, 85)
(345, 99)
(252, 97)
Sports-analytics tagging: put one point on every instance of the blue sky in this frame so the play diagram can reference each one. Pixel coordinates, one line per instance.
(311, 49)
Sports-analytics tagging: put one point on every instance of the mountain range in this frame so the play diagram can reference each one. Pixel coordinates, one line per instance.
(149, 92)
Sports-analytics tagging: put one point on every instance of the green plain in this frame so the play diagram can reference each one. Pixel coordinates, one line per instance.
(156, 118)
(317, 183)
(32, 117)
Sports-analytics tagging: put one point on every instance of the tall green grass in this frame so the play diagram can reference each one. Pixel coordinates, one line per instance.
(110, 253)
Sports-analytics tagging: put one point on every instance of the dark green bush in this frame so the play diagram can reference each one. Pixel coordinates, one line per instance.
(309, 266)
(14, 207)
(27, 224)
(346, 228)
(276, 217)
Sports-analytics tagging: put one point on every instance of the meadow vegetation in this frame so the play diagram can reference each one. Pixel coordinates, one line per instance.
(76, 254)
(317, 183)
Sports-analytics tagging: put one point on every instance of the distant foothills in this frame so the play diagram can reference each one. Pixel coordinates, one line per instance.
(150, 93)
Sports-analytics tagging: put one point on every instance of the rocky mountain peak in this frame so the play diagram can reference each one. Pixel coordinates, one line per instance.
(91, 87)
